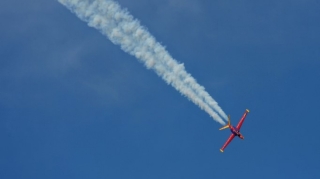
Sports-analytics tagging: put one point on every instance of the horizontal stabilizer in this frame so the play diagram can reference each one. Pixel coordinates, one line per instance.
(226, 126)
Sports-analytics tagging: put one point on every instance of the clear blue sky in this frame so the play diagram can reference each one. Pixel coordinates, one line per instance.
(73, 105)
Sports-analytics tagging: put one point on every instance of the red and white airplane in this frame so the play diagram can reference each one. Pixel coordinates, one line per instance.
(235, 131)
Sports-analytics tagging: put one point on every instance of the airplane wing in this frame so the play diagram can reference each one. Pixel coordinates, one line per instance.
(242, 119)
(227, 142)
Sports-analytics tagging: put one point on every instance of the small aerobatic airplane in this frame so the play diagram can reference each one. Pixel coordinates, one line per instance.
(234, 130)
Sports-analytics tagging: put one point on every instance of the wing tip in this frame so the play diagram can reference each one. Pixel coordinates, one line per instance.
(247, 110)
(221, 150)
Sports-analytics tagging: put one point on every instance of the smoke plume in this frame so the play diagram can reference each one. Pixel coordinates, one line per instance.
(122, 29)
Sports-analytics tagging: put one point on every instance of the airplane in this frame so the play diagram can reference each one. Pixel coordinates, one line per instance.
(235, 131)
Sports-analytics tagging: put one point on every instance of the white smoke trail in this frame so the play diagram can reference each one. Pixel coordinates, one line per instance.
(122, 29)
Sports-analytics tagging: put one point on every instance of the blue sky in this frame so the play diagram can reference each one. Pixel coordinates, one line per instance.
(74, 105)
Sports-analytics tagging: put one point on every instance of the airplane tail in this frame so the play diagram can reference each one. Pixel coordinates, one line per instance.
(226, 126)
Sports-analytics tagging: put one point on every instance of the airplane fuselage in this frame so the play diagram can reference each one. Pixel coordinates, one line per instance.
(236, 132)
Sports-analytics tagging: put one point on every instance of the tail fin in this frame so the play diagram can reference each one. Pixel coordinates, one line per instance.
(226, 126)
